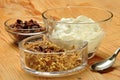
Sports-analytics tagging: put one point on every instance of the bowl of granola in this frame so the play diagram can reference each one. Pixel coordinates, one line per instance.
(42, 56)
(20, 28)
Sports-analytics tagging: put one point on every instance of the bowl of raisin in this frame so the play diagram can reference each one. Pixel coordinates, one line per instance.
(20, 28)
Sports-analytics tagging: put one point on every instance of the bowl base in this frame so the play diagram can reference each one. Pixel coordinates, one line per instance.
(55, 74)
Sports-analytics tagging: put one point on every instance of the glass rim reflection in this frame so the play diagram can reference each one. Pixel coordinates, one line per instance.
(97, 8)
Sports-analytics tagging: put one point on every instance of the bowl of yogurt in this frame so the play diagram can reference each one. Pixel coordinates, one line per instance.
(76, 24)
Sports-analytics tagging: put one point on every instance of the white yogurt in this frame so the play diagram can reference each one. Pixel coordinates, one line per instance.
(86, 32)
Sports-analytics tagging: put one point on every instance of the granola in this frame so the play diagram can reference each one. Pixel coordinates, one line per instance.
(50, 57)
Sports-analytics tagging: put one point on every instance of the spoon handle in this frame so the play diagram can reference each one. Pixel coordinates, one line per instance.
(117, 51)
(115, 54)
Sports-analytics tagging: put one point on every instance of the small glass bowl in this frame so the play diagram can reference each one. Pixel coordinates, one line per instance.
(60, 24)
(19, 34)
(54, 63)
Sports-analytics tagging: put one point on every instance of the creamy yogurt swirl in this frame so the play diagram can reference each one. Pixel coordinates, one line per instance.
(79, 29)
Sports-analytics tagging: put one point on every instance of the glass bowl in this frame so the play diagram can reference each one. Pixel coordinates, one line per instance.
(78, 23)
(20, 28)
(42, 56)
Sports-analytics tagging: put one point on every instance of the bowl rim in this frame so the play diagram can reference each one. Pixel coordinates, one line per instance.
(85, 44)
(104, 20)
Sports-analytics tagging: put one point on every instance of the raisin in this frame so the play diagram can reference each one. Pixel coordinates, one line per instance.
(19, 21)
(46, 50)
(39, 48)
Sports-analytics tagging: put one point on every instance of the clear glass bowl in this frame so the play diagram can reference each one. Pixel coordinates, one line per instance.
(89, 26)
(55, 62)
(19, 34)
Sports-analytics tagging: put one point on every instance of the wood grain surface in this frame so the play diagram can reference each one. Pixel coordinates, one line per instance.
(10, 68)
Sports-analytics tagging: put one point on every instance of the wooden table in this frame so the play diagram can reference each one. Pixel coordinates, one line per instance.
(10, 68)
